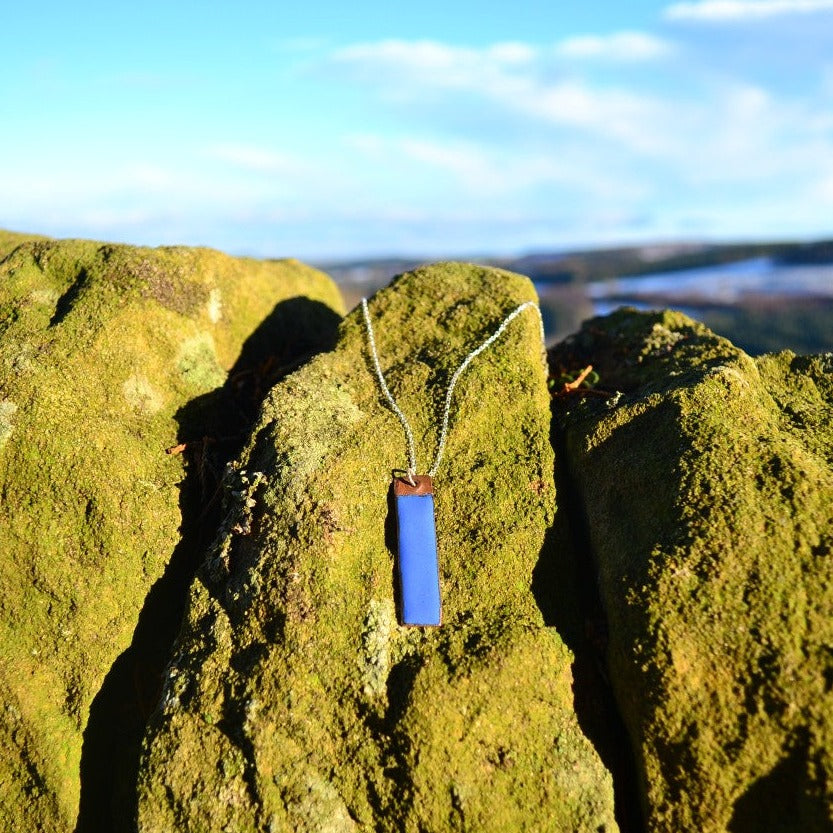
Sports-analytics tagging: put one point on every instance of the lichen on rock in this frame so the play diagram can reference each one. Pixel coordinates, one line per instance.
(7, 412)
(707, 486)
(291, 653)
(93, 389)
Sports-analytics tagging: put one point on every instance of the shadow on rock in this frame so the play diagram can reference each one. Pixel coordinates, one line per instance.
(782, 801)
(566, 592)
(212, 431)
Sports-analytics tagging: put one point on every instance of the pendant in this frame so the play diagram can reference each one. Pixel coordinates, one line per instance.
(419, 575)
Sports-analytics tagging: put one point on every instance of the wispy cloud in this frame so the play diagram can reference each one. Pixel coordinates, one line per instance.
(517, 78)
(441, 64)
(255, 159)
(612, 112)
(739, 10)
(620, 46)
(719, 143)
(438, 145)
(475, 170)
(727, 129)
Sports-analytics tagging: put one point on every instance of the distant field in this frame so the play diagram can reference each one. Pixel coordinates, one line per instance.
(770, 325)
(757, 321)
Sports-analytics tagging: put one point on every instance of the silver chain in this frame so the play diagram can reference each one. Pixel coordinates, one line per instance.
(412, 467)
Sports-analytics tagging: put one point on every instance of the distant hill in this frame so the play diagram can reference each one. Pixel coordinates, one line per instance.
(585, 265)
(757, 323)
(559, 267)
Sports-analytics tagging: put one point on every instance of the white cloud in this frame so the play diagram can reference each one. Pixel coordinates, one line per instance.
(465, 161)
(822, 190)
(733, 10)
(506, 145)
(514, 77)
(472, 171)
(444, 66)
(750, 140)
(616, 113)
(256, 159)
(735, 154)
(720, 130)
(620, 46)
(512, 52)
(82, 184)
(368, 143)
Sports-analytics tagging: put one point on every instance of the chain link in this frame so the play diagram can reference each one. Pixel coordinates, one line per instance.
(412, 467)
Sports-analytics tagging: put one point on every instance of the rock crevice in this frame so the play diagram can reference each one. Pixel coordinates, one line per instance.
(354, 722)
(654, 602)
(705, 511)
(99, 541)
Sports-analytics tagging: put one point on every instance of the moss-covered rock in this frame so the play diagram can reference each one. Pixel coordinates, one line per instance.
(706, 479)
(10, 240)
(101, 349)
(294, 700)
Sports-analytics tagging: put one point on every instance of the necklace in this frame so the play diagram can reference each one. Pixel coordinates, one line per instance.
(418, 566)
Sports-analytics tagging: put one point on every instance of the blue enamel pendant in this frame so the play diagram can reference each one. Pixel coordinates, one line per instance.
(419, 575)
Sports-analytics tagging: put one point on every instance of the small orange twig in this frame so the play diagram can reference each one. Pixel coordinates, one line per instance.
(574, 387)
(576, 383)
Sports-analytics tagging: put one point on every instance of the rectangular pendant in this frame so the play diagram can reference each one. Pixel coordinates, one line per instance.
(419, 575)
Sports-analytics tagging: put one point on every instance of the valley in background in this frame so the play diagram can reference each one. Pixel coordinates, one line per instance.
(763, 296)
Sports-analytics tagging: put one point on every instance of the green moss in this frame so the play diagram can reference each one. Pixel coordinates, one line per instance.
(141, 395)
(102, 347)
(490, 741)
(707, 487)
(7, 412)
(346, 720)
(197, 362)
(10, 240)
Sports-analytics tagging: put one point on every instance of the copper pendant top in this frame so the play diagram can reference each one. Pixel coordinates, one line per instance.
(402, 488)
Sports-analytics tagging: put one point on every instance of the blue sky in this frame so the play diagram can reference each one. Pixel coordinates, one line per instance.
(337, 130)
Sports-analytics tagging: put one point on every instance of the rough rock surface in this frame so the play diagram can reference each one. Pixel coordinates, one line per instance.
(101, 349)
(10, 240)
(707, 488)
(294, 701)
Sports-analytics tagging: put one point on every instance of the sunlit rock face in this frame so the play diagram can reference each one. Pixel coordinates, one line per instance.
(294, 699)
(108, 356)
(706, 484)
